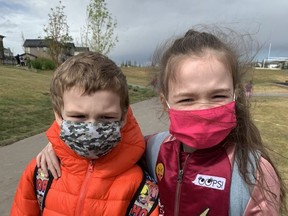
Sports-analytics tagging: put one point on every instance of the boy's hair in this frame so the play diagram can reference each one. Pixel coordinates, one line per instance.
(198, 44)
(90, 72)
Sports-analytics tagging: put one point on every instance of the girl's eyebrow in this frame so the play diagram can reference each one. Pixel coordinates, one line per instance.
(226, 90)
(181, 94)
(213, 91)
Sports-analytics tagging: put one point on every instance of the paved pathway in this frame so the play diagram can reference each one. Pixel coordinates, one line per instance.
(15, 157)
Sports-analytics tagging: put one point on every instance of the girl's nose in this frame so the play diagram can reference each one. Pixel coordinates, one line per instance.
(203, 105)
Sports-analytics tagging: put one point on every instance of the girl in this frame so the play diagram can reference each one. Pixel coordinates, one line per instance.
(212, 161)
(214, 149)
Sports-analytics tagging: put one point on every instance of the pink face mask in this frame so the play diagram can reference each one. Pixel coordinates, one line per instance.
(205, 128)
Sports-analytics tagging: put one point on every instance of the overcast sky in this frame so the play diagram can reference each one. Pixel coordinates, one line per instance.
(142, 24)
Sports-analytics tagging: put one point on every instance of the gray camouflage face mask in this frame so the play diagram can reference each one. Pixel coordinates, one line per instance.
(91, 140)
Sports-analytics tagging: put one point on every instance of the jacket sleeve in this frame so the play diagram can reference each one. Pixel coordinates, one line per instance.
(25, 202)
(155, 212)
(265, 203)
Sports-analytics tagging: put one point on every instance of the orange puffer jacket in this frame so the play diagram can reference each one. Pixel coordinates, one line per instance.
(101, 187)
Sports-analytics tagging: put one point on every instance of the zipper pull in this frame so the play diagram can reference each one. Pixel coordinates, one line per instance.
(180, 175)
(91, 165)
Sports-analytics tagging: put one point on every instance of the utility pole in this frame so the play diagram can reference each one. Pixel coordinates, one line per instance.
(269, 51)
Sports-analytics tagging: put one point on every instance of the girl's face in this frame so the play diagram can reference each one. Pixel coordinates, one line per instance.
(200, 83)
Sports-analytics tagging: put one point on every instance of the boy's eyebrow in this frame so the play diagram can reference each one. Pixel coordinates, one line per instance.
(74, 112)
(83, 113)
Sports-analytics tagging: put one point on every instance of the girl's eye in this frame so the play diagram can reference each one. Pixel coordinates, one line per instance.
(219, 96)
(186, 100)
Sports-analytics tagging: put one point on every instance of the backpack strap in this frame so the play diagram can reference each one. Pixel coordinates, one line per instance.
(239, 191)
(41, 185)
(153, 144)
(145, 199)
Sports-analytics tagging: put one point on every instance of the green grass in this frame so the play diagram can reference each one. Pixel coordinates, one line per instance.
(25, 105)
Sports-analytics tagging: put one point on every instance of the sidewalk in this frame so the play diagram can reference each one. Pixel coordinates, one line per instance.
(15, 157)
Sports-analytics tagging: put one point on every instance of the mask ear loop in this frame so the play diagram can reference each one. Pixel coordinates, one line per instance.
(234, 96)
(167, 103)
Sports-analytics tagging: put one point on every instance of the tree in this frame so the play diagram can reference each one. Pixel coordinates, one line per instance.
(98, 34)
(57, 32)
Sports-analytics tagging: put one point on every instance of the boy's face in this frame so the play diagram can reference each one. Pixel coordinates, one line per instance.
(103, 105)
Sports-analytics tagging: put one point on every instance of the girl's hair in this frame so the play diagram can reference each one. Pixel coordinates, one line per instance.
(245, 135)
(90, 72)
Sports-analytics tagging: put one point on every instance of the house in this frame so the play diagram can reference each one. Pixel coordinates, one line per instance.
(39, 48)
(8, 54)
(80, 50)
(1, 49)
(36, 47)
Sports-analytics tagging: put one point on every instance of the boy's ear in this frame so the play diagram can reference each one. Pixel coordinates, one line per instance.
(58, 118)
(164, 103)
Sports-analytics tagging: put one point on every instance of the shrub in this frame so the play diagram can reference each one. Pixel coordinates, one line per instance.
(43, 64)
(36, 64)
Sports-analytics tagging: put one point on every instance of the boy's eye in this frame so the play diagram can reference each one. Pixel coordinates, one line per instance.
(77, 118)
(107, 118)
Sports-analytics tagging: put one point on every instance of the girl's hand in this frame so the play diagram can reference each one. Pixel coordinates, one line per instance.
(47, 159)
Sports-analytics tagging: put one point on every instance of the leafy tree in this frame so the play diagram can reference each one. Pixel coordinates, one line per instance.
(57, 32)
(98, 34)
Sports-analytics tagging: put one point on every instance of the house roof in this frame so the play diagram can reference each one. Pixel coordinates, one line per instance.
(70, 45)
(41, 43)
(81, 49)
(28, 54)
(35, 43)
(2, 36)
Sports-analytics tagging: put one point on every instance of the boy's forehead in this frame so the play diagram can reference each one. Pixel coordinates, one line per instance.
(102, 101)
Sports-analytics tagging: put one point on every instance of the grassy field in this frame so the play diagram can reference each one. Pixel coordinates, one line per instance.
(25, 103)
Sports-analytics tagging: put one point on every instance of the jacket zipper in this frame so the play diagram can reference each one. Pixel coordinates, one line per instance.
(179, 184)
(80, 203)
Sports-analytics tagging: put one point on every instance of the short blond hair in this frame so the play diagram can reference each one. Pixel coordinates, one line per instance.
(89, 72)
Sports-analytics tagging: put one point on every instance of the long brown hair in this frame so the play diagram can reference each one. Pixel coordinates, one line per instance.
(249, 144)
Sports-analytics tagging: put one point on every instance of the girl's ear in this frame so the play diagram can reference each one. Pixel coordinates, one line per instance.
(164, 103)
(58, 118)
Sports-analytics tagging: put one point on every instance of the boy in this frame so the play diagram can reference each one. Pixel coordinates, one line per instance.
(97, 141)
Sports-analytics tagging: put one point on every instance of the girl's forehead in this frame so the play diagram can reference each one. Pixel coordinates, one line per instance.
(200, 73)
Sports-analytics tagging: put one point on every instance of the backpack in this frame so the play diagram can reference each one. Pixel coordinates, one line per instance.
(143, 203)
(239, 188)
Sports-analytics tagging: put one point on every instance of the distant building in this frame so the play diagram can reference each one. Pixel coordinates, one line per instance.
(275, 63)
(8, 53)
(36, 47)
(1, 49)
(80, 50)
(39, 48)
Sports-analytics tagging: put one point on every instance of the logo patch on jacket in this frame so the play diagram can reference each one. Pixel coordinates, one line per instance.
(208, 181)
(160, 171)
